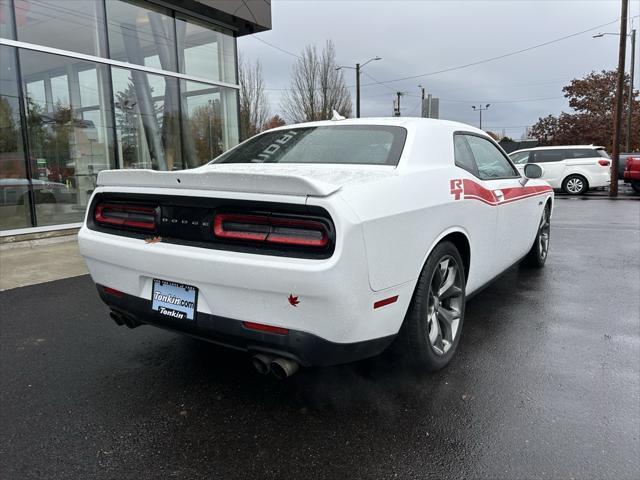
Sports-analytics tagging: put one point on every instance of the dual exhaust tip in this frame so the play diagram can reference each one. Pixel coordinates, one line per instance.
(280, 367)
(124, 320)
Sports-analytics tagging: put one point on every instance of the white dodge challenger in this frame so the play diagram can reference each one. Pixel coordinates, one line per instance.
(319, 243)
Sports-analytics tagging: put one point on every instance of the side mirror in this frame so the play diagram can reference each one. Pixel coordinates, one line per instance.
(531, 170)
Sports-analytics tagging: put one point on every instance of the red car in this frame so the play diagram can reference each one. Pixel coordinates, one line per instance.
(632, 173)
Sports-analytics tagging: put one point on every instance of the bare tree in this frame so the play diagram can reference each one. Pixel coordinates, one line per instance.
(254, 104)
(317, 87)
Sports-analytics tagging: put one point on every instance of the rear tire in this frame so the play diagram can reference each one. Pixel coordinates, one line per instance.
(431, 329)
(575, 185)
(539, 252)
(636, 186)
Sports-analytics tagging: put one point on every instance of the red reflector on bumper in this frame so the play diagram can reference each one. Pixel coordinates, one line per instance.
(386, 301)
(265, 328)
(113, 292)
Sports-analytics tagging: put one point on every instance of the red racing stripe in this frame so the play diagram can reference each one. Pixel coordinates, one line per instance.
(475, 191)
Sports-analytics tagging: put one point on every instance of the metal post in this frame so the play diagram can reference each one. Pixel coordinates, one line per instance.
(630, 99)
(615, 149)
(357, 90)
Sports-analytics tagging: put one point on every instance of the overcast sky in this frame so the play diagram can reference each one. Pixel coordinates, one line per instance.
(423, 36)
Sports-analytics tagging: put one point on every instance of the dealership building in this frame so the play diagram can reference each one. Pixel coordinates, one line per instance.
(88, 85)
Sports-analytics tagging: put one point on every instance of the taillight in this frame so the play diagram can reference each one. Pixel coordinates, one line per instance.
(270, 229)
(604, 163)
(131, 216)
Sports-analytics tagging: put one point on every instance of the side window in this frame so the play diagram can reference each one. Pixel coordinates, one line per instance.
(581, 153)
(520, 157)
(544, 156)
(490, 161)
(463, 156)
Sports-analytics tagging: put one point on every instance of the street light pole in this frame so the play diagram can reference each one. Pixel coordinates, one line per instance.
(617, 118)
(630, 99)
(631, 78)
(357, 69)
(480, 108)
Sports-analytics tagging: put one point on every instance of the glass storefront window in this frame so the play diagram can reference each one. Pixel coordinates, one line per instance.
(147, 120)
(14, 186)
(206, 52)
(72, 25)
(6, 19)
(210, 124)
(69, 133)
(141, 34)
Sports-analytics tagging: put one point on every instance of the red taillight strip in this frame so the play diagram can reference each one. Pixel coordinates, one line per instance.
(270, 235)
(265, 328)
(113, 292)
(386, 301)
(102, 210)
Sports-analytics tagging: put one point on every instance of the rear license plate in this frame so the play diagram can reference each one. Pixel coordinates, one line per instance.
(174, 300)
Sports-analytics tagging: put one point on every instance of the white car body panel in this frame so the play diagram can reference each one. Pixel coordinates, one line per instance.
(387, 220)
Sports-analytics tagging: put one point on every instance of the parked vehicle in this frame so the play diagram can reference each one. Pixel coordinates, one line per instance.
(319, 243)
(632, 173)
(622, 162)
(574, 169)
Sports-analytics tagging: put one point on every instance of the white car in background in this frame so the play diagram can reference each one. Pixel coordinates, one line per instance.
(319, 243)
(573, 169)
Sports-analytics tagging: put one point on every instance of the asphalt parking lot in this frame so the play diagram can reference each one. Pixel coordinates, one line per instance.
(546, 384)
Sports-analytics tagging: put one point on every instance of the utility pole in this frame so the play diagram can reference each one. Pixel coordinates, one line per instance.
(631, 78)
(357, 90)
(422, 109)
(480, 108)
(630, 99)
(357, 69)
(617, 117)
(397, 110)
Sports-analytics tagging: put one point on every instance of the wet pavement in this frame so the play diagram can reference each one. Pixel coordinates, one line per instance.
(546, 384)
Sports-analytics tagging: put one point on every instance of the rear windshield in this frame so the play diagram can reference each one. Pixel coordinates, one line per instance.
(340, 144)
(603, 153)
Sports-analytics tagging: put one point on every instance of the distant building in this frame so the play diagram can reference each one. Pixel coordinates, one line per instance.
(431, 107)
(511, 146)
(99, 84)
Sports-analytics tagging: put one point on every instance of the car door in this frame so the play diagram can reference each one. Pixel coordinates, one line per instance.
(518, 209)
(553, 163)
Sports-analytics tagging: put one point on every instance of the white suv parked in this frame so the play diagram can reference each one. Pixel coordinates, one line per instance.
(573, 168)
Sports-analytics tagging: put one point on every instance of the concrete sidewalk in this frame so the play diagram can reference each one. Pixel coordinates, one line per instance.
(29, 265)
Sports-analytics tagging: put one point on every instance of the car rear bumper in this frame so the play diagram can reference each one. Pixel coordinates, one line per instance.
(630, 176)
(334, 299)
(601, 179)
(305, 348)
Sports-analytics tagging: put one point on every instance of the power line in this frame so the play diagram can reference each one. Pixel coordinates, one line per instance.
(499, 57)
(459, 67)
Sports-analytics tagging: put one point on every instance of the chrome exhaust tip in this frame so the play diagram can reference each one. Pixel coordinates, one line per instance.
(262, 363)
(283, 368)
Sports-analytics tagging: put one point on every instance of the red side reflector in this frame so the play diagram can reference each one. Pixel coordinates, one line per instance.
(386, 301)
(604, 163)
(132, 216)
(269, 229)
(113, 292)
(265, 328)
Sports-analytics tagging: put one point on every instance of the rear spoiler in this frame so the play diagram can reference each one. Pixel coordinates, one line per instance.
(228, 181)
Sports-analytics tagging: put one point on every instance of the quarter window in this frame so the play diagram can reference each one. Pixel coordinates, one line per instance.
(544, 156)
(581, 153)
(463, 156)
(490, 161)
(520, 157)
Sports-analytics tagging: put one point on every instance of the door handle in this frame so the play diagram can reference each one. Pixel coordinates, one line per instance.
(499, 195)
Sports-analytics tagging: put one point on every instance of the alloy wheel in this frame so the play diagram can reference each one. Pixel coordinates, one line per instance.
(444, 304)
(544, 232)
(575, 185)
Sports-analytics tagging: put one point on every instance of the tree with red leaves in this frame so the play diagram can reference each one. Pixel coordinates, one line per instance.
(592, 99)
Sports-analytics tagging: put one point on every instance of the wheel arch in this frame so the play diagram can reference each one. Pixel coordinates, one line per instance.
(460, 239)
